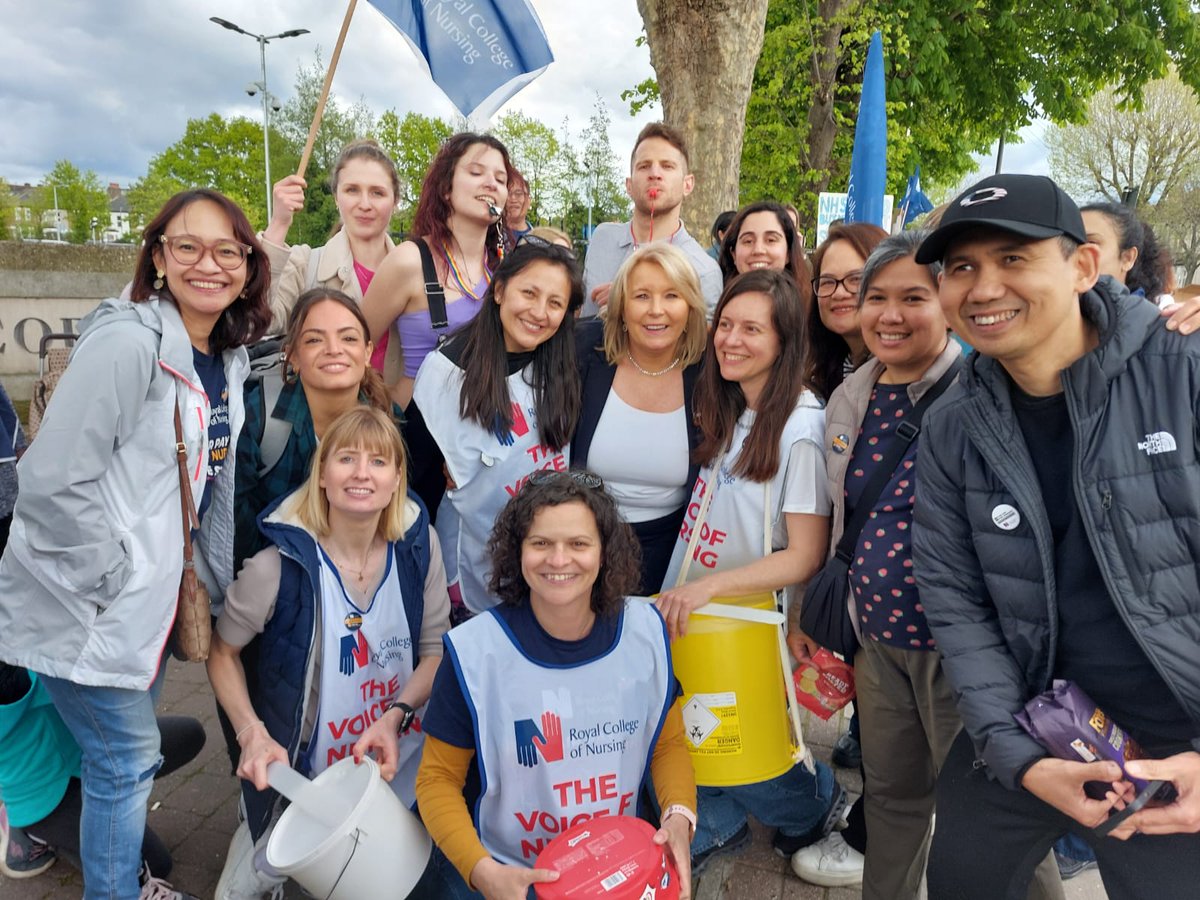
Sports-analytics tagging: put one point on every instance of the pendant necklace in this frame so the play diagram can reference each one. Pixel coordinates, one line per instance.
(360, 574)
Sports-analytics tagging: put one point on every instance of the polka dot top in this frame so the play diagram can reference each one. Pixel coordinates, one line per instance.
(881, 575)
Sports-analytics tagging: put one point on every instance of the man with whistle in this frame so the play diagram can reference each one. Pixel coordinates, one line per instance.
(658, 182)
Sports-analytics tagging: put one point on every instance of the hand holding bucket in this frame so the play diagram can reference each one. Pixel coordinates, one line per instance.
(346, 834)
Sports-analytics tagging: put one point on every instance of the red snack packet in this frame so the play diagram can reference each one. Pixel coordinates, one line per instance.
(824, 684)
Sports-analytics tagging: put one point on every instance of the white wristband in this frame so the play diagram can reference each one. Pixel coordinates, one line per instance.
(680, 810)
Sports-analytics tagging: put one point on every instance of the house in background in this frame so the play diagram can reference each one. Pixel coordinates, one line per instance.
(52, 223)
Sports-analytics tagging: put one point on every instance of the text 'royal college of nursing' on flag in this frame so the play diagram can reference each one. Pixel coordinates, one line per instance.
(479, 52)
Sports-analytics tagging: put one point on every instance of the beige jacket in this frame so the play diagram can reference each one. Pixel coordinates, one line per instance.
(843, 422)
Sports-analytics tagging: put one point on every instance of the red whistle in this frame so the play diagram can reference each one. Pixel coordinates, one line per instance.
(653, 192)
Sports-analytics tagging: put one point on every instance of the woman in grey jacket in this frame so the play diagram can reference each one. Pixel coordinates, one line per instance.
(89, 581)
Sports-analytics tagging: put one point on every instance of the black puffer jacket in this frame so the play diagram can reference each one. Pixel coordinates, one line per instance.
(989, 593)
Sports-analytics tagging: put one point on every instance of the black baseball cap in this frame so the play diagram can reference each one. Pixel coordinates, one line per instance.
(1032, 206)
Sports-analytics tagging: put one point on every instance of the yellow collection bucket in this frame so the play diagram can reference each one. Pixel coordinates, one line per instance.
(735, 717)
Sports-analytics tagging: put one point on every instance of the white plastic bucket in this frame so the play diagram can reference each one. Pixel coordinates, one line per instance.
(346, 836)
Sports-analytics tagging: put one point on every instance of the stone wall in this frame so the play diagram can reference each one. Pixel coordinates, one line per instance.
(47, 289)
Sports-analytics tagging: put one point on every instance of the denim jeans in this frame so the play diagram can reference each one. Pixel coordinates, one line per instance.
(118, 735)
(441, 881)
(795, 802)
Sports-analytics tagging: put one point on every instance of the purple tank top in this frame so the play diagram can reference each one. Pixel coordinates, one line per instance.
(417, 337)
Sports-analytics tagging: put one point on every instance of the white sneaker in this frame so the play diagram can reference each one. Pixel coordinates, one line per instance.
(158, 888)
(241, 879)
(830, 862)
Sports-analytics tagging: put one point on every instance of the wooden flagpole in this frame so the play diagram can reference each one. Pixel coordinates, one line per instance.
(316, 122)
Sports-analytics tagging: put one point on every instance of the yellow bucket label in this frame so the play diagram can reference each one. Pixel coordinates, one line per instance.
(711, 724)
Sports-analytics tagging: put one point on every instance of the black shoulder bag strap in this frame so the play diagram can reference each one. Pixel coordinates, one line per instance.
(434, 292)
(907, 432)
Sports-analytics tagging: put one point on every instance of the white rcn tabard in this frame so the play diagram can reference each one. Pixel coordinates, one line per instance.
(366, 659)
(488, 469)
(558, 745)
(732, 532)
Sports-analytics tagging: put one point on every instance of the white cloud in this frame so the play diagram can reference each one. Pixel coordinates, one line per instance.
(107, 85)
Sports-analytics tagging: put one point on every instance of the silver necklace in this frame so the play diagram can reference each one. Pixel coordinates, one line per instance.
(673, 364)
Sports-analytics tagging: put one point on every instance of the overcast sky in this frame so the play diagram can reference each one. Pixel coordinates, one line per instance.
(109, 83)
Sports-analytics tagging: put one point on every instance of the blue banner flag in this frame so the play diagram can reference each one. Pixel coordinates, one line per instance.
(479, 52)
(868, 164)
(915, 203)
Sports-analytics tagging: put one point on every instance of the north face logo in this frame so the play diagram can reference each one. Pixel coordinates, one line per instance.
(1159, 442)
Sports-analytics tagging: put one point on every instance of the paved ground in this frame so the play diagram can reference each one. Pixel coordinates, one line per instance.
(195, 811)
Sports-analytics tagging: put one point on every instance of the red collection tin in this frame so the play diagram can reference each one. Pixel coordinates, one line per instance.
(614, 858)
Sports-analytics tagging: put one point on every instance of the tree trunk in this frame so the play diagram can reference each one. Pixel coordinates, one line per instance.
(816, 154)
(704, 53)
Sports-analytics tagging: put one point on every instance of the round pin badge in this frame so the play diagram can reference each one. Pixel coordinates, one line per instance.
(1006, 517)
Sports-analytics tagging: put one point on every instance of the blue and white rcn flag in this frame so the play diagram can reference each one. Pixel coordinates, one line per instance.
(479, 52)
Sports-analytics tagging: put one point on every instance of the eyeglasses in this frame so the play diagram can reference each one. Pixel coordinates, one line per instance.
(187, 251)
(579, 476)
(827, 284)
(517, 195)
(537, 241)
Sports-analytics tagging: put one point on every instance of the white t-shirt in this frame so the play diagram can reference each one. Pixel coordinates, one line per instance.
(732, 533)
(642, 457)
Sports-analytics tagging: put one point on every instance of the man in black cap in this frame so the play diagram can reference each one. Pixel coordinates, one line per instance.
(1057, 536)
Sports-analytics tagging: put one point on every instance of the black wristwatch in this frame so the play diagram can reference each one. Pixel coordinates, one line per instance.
(407, 719)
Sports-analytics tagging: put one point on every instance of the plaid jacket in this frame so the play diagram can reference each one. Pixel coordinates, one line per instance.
(255, 490)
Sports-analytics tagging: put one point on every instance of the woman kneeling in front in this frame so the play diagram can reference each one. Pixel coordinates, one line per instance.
(565, 656)
(354, 574)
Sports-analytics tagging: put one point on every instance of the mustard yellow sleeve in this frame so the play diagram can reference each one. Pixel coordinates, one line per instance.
(671, 765)
(440, 781)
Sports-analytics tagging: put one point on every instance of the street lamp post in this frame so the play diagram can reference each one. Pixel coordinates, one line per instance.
(263, 40)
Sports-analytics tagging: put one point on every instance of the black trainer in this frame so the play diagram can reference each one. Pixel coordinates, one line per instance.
(847, 752)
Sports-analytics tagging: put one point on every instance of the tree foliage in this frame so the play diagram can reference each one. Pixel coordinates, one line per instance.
(1176, 220)
(411, 142)
(340, 124)
(960, 73)
(214, 152)
(8, 203)
(81, 197)
(538, 156)
(1153, 147)
(603, 173)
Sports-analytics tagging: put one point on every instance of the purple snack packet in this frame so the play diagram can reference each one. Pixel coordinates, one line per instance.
(1066, 722)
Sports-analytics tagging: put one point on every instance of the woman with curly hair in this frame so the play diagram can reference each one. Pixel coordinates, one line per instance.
(566, 656)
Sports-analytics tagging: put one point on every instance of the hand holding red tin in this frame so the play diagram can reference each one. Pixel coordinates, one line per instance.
(497, 881)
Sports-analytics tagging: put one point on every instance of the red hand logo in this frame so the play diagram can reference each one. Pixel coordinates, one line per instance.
(551, 747)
